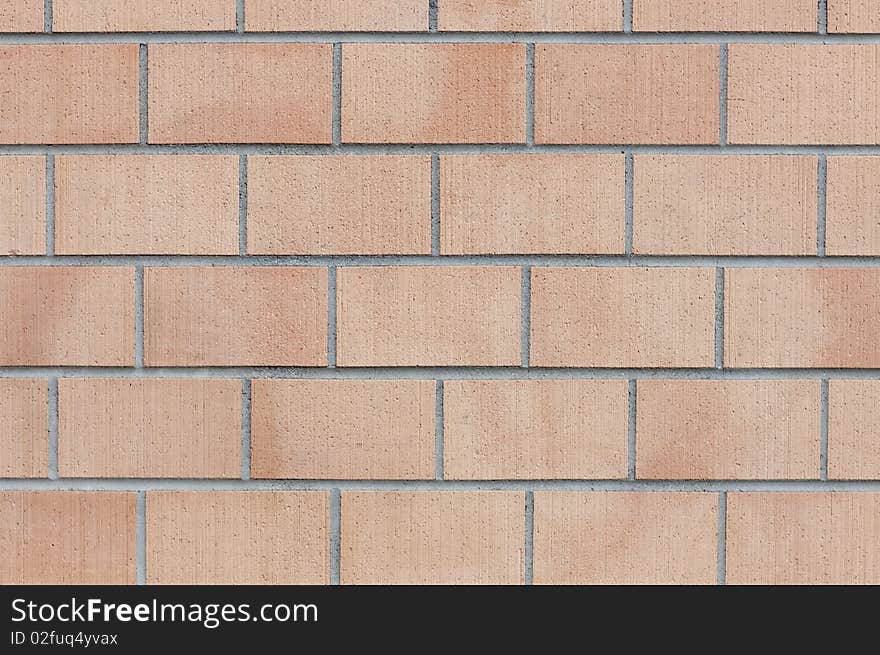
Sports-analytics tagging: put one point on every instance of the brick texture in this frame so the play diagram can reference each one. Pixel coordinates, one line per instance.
(853, 16)
(21, 15)
(432, 538)
(136, 16)
(854, 429)
(319, 15)
(23, 428)
(23, 199)
(853, 210)
(724, 15)
(529, 16)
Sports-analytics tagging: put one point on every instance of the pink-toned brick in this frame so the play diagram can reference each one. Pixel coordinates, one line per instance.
(23, 202)
(854, 429)
(139, 16)
(24, 428)
(323, 16)
(853, 206)
(21, 15)
(853, 16)
(724, 15)
(530, 16)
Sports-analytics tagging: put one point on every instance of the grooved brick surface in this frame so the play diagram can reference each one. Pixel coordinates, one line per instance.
(724, 15)
(854, 16)
(530, 15)
(23, 199)
(21, 15)
(854, 429)
(138, 16)
(23, 428)
(853, 211)
(320, 15)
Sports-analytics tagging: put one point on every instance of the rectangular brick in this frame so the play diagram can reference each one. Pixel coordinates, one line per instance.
(322, 16)
(724, 205)
(82, 93)
(625, 538)
(727, 429)
(24, 428)
(661, 93)
(156, 428)
(67, 537)
(724, 16)
(423, 538)
(854, 429)
(553, 204)
(23, 199)
(434, 93)
(803, 538)
(240, 93)
(339, 205)
(139, 16)
(21, 15)
(853, 206)
(235, 316)
(802, 318)
(238, 537)
(804, 94)
(853, 16)
(622, 317)
(343, 429)
(142, 204)
(530, 16)
(534, 429)
(67, 316)
(428, 316)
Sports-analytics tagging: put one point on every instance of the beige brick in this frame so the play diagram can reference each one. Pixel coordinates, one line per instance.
(240, 93)
(854, 429)
(339, 205)
(23, 202)
(157, 428)
(139, 16)
(803, 538)
(853, 16)
(660, 93)
(724, 15)
(553, 204)
(622, 317)
(434, 93)
(853, 209)
(802, 318)
(530, 16)
(446, 537)
(82, 93)
(724, 205)
(21, 15)
(140, 204)
(534, 429)
(323, 16)
(67, 316)
(428, 316)
(343, 429)
(625, 538)
(804, 94)
(238, 537)
(67, 537)
(727, 429)
(235, 316)
(24, 428)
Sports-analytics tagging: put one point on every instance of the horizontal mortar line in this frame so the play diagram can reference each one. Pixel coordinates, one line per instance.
(440, 373)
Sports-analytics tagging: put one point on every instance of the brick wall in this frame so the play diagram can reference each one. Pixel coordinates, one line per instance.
(439, 292)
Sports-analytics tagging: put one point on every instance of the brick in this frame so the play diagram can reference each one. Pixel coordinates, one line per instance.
(24, 428)
(321, 16)
(854, 429)
(83, 93)
(552, 204)
(141, 204)
(724, 16)
(67, 537)
(434, 93)
(23, 199)
(67, 316)
(156, 428)
(853, 206)
(432, 537)
(240, 93)
(534, 429)
(625, 538)
(853, 16)
(622, 317)
(339, 205)
(661, 94)
(235, 316)
(530, 16)
(724, 205)
(137, 16)
(21, 15)
(238, 537)
(343, 429)
(727, 429)
(428, 316)
(804, 94)
(803, 538)
(802, 318)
